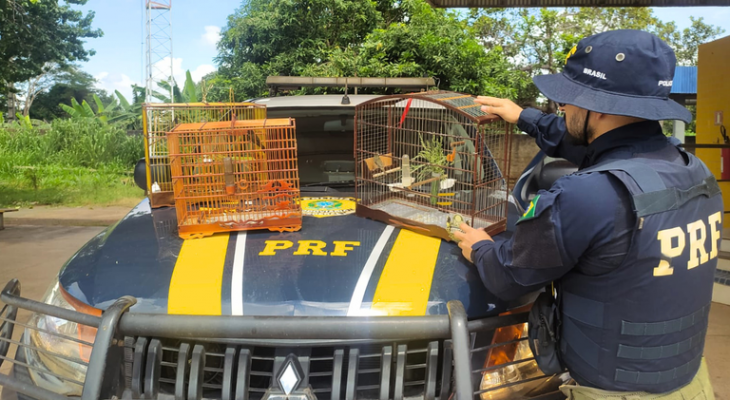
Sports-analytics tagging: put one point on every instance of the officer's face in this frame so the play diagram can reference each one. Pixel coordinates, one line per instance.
(575, 121)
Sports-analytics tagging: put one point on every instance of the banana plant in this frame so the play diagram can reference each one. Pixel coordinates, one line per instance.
(190, 93)
(189, 90)
(124, 112)
(103, 112)
(122, 101)
(117, 110)
(23, 121)
(82, 110)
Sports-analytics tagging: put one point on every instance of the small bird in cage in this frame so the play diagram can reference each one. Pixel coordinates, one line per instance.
(441, 161)
(453, 225)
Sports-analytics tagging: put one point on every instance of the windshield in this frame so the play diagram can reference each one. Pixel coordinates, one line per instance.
(325, 146)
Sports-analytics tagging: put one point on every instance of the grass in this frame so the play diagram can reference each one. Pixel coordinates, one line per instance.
(61, 186)
(74, 163)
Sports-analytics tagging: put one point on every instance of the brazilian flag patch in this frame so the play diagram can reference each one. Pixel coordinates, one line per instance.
(530, 212)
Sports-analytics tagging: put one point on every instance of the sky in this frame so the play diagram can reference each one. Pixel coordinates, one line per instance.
(119, 62)
(196, 27)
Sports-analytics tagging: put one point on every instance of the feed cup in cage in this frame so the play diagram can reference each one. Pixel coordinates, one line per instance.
(232, 176)
(423, 159)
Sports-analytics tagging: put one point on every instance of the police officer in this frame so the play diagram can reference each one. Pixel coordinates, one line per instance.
(630, 240)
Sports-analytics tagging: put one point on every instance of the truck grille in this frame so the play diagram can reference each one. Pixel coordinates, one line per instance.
(165, 357)
(385, 370)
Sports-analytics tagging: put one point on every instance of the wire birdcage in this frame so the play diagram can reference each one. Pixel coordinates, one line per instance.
(231, 176)
(426, 161)
(160, 118)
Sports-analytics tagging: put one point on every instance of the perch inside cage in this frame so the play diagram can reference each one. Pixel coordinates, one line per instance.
(424, 158)
(238, 175)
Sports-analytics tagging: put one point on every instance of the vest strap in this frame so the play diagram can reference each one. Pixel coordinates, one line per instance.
(654, 378)
(656, 197)
(655, 353)
(662, 328)
(646, 178)
(673, 198)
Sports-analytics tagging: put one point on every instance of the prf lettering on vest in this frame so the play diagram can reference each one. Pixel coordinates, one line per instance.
(309, 248)
(673, 243)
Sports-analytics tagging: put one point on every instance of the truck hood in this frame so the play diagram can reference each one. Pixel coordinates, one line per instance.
(337, 264)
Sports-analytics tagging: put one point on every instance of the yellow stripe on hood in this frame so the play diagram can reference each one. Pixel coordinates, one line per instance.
(195, 286)
(405, 284)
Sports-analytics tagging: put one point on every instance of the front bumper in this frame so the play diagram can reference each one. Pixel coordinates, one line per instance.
(261, 358)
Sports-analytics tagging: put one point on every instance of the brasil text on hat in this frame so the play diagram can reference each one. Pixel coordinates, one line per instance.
(623, 72)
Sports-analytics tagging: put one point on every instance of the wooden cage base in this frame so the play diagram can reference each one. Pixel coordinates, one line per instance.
(419, 227)
(204, 230)
(162, 199)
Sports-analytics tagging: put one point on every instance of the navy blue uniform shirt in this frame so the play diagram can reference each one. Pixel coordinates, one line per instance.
(583, 222)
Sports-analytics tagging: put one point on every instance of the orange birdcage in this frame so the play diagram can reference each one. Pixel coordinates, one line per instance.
(238, 175)
(160, 118)
(427, 161)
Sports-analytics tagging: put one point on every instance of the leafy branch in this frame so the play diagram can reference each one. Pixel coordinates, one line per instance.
(432, 152)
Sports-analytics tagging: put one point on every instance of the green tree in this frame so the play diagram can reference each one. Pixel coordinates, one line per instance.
(281, 37)
(387, 38)
(494, 27)
(686, 42)
(537, 41)
(36, 33)
(595, 20)
(67, 83)
(432, 43)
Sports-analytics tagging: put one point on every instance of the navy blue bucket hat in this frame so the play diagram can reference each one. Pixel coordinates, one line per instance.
(623, 72)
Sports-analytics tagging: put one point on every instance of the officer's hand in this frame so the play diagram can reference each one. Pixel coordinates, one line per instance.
(507, 109)
(469, 238)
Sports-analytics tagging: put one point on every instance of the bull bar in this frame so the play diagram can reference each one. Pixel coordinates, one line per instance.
(117, 323)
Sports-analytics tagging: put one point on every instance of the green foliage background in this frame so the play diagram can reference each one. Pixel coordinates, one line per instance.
(72, 162)
(69, 144)
(383, 38)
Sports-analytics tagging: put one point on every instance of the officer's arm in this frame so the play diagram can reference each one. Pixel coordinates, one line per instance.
(549, 131)
(561, 225)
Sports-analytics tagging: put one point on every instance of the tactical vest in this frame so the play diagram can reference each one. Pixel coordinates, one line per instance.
(641, 326)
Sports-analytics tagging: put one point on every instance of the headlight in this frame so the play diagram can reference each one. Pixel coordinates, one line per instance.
(60, 356)
(512, 352)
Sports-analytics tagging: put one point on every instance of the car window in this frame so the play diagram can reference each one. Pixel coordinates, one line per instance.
(325, 143)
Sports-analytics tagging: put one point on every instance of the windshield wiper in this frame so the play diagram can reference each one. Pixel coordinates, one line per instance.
(332, 184)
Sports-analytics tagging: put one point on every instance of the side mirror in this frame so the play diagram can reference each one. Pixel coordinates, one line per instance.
(140, 174)
(160, 173)
(540, 174)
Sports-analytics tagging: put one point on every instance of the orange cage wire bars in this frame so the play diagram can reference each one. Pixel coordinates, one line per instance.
(423, 158)
(239, 175)
(159, 118)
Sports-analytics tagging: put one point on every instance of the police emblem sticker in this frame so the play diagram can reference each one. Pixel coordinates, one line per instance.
(530, 212)
(322, 207)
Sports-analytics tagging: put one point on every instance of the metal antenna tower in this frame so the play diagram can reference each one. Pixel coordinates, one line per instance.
(159, 46)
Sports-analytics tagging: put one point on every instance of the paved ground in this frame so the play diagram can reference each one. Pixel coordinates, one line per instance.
(66, 216)
(717, 350)
(34, 254)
